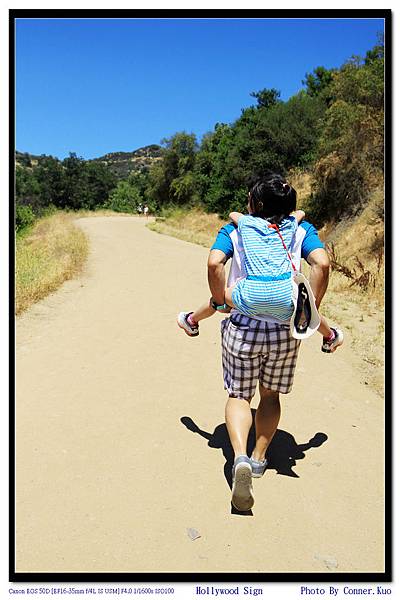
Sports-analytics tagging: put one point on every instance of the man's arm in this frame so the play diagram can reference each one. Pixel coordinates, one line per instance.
(216, 275)
(318, 260)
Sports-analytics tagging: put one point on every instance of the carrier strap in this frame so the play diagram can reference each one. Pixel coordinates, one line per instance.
(275, 226)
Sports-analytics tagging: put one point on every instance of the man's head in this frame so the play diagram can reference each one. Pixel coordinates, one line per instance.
(271, 197)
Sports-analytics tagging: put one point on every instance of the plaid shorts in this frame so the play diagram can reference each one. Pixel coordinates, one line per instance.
(255, 351)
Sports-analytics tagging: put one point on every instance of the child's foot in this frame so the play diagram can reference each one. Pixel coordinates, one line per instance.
(190, 327)
(334, 341)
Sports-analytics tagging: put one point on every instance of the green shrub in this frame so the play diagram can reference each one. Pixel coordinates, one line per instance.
(24, 216)
(125, 198)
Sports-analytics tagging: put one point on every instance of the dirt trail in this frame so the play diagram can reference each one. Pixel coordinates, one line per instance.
(108, 476)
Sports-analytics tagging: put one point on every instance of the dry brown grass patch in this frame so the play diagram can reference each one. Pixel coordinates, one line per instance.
(194, 226)
(301, 181)
(53, 252)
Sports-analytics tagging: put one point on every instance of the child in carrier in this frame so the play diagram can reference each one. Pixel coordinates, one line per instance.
(266, 232)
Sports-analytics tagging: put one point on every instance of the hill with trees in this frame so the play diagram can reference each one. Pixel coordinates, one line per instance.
(123, 164)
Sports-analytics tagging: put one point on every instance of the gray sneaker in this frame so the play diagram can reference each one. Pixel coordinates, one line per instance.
(242, 487)
(258, 467)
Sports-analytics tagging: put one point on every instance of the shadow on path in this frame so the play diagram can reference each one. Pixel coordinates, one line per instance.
(282, 452)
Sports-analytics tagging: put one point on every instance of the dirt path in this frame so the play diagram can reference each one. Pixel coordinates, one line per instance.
(108, 476)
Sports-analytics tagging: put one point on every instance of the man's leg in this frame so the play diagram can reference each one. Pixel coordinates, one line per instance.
(238, 422)
(267, 419)
(241, 366)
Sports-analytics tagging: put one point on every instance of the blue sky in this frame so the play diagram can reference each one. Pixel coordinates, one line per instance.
(94, 86)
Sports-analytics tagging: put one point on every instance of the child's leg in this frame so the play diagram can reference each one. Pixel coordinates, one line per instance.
(324, 328)
(206, 310)
(203, 312)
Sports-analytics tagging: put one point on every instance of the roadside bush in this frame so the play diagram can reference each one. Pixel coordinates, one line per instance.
(125, 198)
(24, 216)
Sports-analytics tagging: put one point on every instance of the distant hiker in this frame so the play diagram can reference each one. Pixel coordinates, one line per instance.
(266, 233)
(146, 210)
(257, 349)
(140, 209)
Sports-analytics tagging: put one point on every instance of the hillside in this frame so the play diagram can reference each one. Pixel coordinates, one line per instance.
(120, 163)
(24, 159)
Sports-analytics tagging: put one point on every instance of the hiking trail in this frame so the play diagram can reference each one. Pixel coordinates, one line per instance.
(120, 442)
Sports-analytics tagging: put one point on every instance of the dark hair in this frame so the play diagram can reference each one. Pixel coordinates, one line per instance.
(272, 198)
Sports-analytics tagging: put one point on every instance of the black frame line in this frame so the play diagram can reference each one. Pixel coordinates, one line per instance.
(178, 577)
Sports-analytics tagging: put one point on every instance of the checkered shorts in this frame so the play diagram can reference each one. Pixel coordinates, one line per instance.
(255, 351)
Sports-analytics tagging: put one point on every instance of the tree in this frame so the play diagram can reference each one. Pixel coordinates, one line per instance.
(124, 198)
(318, 82)
(377, 53)
(266, 97)
(51, 178)
(75, 182)
(99, 182)
(26, 184)
(172, 178)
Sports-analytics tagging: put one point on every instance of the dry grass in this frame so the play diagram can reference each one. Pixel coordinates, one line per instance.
(194, 226)
(301, 181)
(54, 251)
(359, 245)
(101, 212)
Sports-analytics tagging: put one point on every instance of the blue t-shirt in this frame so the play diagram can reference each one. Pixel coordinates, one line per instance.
(309, 242)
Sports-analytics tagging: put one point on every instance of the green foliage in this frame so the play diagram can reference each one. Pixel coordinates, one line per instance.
(140, 181)
(351, 144)
(172, 180)
(71, 184)
(317, 83)
(97, 183)
(288, 133)
(26, 183)
(51, 178)
(24, 217)
(124, 198)
(266, 97)
(276, 137)
(75, 195)
(221, 169)
(182, 188)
